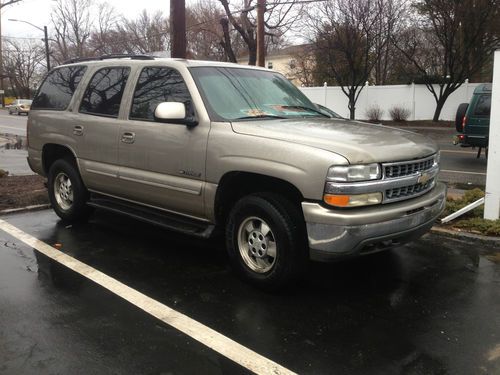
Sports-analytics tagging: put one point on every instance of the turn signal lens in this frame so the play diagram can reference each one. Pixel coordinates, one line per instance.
(353, 200)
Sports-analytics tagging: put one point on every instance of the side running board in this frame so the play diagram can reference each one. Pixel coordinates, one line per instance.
(153, 216)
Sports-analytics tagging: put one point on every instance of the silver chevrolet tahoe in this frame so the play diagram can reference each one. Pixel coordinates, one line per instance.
(207, 147)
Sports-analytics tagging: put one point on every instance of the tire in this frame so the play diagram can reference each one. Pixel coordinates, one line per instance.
(276, 257)
(459, 117)
(68, 201)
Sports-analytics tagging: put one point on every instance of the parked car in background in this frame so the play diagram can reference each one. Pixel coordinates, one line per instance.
(472, 120)
(20, 106)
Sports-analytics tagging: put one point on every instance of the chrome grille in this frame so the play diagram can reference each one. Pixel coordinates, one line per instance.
(409, 191)
(406, 168)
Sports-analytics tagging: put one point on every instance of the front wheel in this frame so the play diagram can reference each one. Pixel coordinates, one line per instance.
(266, 240)
(67, 193)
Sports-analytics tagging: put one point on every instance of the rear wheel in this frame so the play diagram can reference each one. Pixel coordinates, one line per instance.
(266, 240)
(67, 193)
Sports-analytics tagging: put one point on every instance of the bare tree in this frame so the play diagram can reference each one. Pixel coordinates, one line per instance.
(9, 2)
(148, 33)
(204, 33)
(23, 64)
(346, 35)
(72, 23)
(280, 17)
(450, 42)
(392, 20)
(104, 36)
(303, 64)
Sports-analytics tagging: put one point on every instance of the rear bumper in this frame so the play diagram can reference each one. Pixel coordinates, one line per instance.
(335, 234)
(471, 140)
(35, 161)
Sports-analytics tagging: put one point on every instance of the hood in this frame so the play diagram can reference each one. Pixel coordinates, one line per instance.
(358, 142)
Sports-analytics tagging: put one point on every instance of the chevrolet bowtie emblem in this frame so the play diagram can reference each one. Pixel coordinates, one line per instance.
(423, 178)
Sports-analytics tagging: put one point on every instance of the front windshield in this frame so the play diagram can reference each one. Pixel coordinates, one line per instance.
(242, 94)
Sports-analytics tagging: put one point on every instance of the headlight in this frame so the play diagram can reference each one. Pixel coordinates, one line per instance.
(352, 173)
(437, 158)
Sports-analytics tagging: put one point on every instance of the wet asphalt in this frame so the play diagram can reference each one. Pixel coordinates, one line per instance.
(431, 307)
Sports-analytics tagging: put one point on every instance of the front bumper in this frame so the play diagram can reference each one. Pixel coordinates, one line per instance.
(334, 234)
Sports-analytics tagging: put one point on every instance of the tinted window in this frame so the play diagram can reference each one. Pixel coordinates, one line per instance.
(104, 92)
(58, 88)
(483, 106)
(157, 85)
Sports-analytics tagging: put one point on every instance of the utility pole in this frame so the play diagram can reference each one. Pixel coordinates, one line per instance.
(261, 49)
(178, 25)
(47, 54)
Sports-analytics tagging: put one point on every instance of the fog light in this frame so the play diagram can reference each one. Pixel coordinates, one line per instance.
(352, 200)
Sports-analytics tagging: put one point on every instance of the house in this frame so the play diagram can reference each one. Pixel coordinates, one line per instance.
(288, 61)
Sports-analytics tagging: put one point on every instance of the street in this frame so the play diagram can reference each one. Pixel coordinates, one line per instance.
(458, 165)
(12, 124)
(430, 307)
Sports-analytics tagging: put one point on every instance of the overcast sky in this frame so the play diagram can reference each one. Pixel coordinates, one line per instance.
(38, 13)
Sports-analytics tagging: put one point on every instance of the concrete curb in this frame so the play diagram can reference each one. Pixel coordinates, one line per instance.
(36, 207)
(466, 235)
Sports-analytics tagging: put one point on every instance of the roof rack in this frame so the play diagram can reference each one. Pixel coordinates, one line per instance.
(107, 57)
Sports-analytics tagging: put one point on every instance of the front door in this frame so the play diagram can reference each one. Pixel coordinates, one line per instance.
(162, 164)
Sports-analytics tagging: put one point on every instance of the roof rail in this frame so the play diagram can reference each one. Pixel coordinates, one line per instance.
(106, 57)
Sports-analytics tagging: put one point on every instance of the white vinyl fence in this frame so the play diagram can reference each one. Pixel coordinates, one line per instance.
(417, 98)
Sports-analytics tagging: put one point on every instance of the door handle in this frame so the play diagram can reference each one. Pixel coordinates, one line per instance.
(128, 137)
(78, 130)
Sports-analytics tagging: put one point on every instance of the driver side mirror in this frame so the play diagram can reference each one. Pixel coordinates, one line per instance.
(174, 113)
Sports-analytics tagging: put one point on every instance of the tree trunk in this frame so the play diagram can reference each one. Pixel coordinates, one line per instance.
(226, 43)
(439, 106)
(252, 55)
(352, 104)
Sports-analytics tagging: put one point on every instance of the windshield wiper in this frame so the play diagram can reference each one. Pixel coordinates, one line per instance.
(259, 116)
(305, 108)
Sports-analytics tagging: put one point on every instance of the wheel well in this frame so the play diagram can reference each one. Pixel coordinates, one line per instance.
(53, 152)
(235, 185)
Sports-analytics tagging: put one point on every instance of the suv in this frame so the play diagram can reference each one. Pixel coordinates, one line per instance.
(207, 147)
(472, 121)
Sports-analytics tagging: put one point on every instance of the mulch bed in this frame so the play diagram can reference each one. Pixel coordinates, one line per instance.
(22, 191)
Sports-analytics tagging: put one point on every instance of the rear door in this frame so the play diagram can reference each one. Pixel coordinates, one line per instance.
(96, 128)
(162, 164)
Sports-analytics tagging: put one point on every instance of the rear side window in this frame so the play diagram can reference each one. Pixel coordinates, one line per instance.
(483, 106)
(58, 88)
(157, 85)
(104, 92)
